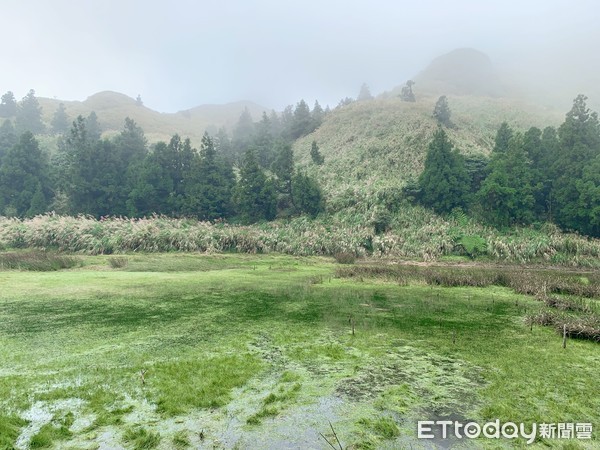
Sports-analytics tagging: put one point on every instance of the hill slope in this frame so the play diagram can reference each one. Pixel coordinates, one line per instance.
(376, 145)
(112, 108)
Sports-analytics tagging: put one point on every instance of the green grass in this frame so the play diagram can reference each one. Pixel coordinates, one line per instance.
(141, 439)
(9, 430)
(58, 430)
(255, 338)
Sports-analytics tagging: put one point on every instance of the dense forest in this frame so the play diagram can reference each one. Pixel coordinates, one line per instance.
(550, 175)
(249, 177)
(535, 176)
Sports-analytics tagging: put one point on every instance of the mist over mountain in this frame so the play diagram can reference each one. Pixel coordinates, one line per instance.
(463, 71)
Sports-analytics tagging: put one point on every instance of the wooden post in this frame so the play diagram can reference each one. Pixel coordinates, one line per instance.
(565, 335)
(454, 336)
(142, 373)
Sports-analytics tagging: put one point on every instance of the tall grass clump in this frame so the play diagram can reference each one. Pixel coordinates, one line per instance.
(36, 260)
(413, 233)
(141, 439)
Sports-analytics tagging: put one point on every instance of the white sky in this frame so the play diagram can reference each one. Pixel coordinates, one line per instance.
(181, 53)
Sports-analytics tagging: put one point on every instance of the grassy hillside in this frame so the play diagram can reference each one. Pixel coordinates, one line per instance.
(376, 145)
(112, 108)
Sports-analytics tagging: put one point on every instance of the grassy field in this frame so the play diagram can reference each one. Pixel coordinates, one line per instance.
(239, 351)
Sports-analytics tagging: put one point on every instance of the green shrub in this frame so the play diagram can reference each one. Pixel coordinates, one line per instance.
(118, 262)
(345, 258)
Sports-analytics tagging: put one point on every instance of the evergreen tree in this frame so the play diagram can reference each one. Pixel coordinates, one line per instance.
(131, 143)
(407, 93)
(307, 194)
(506, 194)
(60, 120)
(222, 144)
(315, 154)
(317, 115)
(8, 138)
(94, 132)
(276, 126)
(95, 174)
(243, 133)
(477, 169)
(8, 105)
(364, 94)
(579, 145)
(302, 122)
(283, 168)
(287, 123)
(24, 178)
(29, 115)
(255, 195)
(263, 141)
(152, 185)
(539, 169)
(444, 182)
(209, 185)
(503, 137)
(441, 112)
(588, 203)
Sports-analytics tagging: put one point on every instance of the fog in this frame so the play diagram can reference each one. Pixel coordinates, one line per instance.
(183, 53)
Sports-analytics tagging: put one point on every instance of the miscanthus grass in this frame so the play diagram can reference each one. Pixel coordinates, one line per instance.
(412, 233)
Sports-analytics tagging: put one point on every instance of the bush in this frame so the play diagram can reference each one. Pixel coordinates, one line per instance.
(345, 258)
(118, 262)
(37, 261)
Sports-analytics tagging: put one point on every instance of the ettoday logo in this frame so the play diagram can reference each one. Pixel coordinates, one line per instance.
(445, 429)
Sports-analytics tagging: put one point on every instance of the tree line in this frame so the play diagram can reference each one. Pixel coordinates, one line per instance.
(550, 175)
(248, 178)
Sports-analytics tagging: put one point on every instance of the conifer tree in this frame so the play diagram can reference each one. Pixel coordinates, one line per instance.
(60, 120)
(255, 195)
(444, 182)
(579, 145)
(8, 105)
(29, 115)
(25, 185)
(441, 112)
(506, 195)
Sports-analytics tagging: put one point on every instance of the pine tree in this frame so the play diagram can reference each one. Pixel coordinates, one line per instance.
(441, 112)
(315, 154)
(255, 195)
(263, 141)
(307, 194)
(503, 137)
(243, 133)
(579, 145)
(152, 185)
(8, 105)
(444, 182)
(318, 115)
(29, 115)
(209, 184)
(302, 123)
(364, 94)
(94, 132)
(283, 168)
(506, 195)
(407, 93)
(60, 120)
(8, 137)
(24, 172)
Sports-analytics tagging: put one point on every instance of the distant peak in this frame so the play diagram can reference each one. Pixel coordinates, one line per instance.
(108, 99)
(464, 71)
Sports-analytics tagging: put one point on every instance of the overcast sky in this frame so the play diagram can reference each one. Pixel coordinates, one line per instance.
(182, 53)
